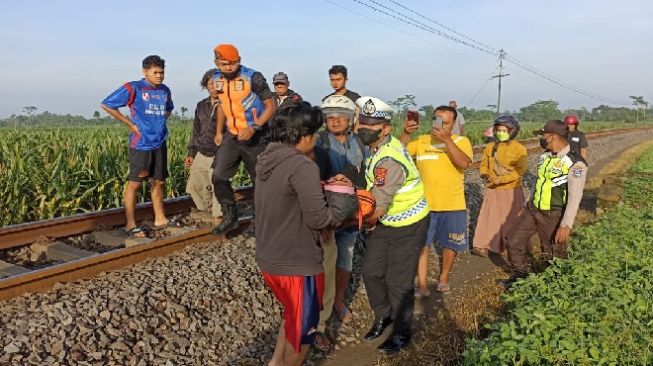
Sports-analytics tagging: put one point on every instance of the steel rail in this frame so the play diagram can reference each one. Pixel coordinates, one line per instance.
(44, 279)
(22, 234)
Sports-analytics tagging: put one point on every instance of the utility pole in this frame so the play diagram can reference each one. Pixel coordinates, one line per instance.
(502, 56)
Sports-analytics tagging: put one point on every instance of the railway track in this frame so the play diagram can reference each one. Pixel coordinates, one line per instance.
(72, 263)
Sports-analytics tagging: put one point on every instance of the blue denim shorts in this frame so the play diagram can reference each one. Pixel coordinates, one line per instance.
(448, 229)
(345, 240)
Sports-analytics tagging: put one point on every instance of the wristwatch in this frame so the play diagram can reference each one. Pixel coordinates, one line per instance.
(256, 128)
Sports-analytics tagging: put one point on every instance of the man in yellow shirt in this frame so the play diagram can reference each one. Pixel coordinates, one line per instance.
(441, 159)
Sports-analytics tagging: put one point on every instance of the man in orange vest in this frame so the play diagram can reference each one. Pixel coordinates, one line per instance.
(247, 104)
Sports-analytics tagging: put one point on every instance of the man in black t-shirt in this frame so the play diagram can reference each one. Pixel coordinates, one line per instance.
(338, 79)
(577, 140)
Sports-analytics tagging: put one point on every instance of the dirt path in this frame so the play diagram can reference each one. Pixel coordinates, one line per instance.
(467, 269)
(465, 279)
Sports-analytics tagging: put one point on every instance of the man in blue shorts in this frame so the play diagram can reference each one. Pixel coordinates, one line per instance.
(150, 105)
(441, 159)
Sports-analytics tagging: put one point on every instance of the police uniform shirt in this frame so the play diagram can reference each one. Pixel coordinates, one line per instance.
(575, 186)
(389, 176)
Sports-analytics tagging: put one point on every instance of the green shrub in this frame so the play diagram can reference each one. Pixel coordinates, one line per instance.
(595, 308)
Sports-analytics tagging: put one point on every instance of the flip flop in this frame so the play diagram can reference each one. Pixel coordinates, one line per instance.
(136, 232)
(480, 252)
(322, 342)
(344, 315)
(443, 287)
(170, 223)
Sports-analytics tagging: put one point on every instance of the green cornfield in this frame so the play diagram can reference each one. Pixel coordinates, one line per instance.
(52, 172)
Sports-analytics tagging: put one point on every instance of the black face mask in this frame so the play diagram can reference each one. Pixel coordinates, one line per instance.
(543, 143)
(368, 136)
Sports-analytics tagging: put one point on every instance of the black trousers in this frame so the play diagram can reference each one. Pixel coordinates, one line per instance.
(229, 155)
(531, 221)
(389, 270)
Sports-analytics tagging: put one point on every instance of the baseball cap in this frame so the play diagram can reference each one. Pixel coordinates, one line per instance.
(554, 126)
(227, 52)
(280, 77)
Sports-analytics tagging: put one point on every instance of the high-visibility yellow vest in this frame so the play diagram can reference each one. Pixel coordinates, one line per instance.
(551, 186)
(408, 205)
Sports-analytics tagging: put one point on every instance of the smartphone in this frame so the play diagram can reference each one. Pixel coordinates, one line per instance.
(413, 116)
(437, 122)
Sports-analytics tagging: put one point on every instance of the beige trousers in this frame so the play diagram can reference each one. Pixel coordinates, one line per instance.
(330, 252)
(200, 187)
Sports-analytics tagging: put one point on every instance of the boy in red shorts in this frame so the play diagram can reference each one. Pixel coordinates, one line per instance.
(291, 210)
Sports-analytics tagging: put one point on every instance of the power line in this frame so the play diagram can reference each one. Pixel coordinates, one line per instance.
(479, 46)
(558, 82)
(482, 87)
(444, 26)
(403, 31)
(408, 20)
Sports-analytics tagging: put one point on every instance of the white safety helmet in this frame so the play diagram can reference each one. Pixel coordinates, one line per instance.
(338, 104)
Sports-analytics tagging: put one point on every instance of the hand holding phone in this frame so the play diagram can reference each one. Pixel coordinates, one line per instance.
(437, 122)
(413, 116)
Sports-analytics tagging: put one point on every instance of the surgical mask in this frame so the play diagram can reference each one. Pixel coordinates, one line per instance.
(543, 143)
(502, 136)
(368, 136)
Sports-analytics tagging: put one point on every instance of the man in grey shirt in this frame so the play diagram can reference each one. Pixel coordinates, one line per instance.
(459, 124)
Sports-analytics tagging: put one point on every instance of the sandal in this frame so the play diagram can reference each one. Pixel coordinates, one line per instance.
(443, 287)
(422, 295)
(481, 252)
(344, 315)
(170, 223)
(322, 342)
(136, 232)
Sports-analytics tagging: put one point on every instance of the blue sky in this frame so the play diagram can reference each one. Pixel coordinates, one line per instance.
(66, 56)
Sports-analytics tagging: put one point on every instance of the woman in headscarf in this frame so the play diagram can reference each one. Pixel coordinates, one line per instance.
(504, 163)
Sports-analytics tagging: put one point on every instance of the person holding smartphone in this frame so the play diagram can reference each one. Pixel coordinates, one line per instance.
(441, 159)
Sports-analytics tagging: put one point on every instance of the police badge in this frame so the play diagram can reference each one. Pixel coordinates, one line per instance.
(369, 108)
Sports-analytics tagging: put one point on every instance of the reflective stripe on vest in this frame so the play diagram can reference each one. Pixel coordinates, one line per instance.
(551, 186)
(408, 205)
(238, 100)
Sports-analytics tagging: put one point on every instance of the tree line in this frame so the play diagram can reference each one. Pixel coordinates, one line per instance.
(541, 110)
(30, 117)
